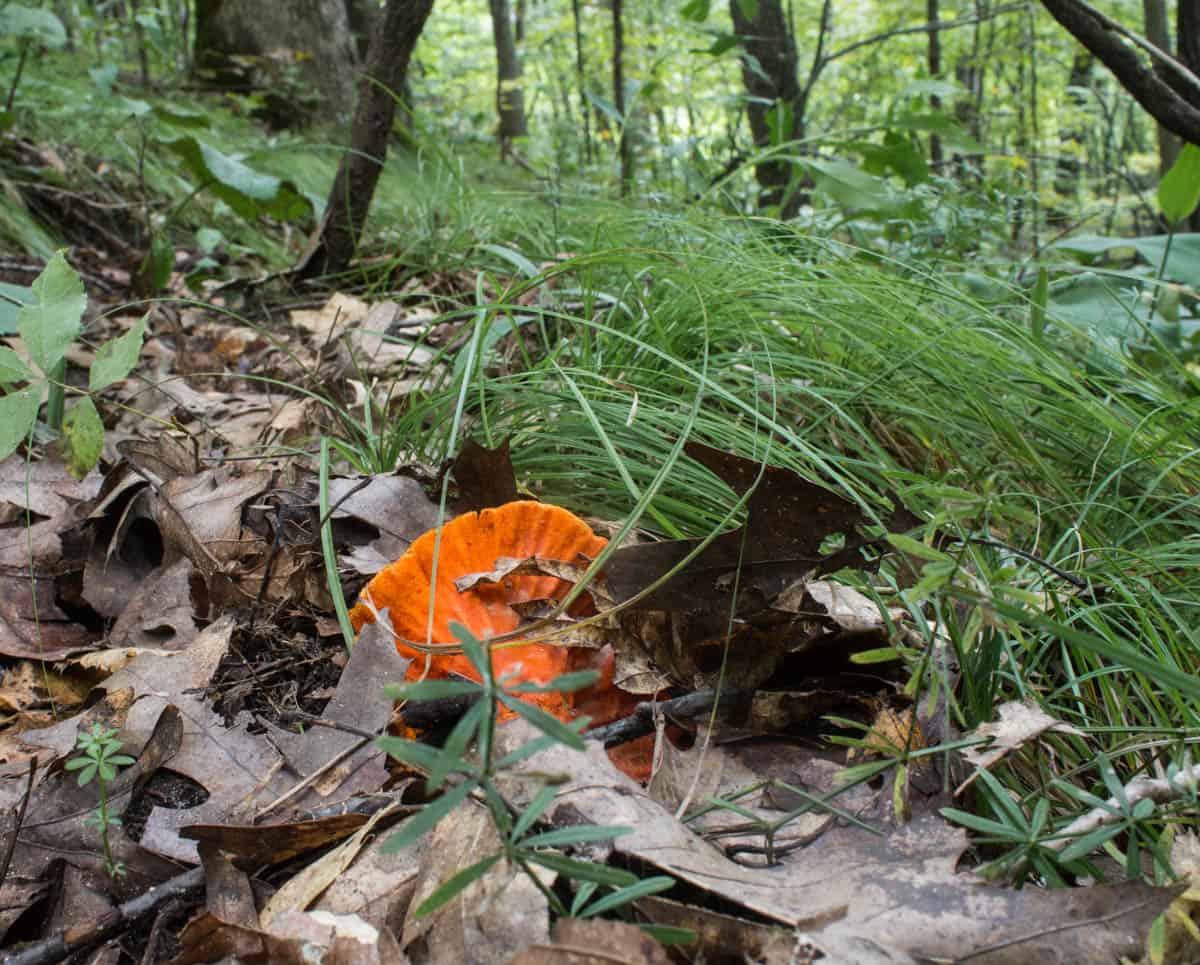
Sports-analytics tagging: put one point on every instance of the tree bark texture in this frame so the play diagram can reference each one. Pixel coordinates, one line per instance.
(618, 80)
(1187, 50)
(933, 61)
(1156, 25)
(317, 29)
(336, 238)
(581, 82)
(768, 40)
(363, 17)
(1130, 66)
(510, 98)
(1187, 32)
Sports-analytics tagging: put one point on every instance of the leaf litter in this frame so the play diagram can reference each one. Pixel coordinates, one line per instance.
(180, 598)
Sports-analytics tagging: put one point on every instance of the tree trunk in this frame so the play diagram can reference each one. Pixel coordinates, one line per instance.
(769, 75)
(933, 58)
(618, 79)
(139, 37)
(1187, 30)
(316, 31)
(510, 98)
(363, 19)
(336, 238)
(968, 71)
(1187, 50)
(581, 83)
(1158, 32)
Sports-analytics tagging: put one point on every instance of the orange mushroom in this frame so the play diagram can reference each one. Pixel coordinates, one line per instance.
(471, 544)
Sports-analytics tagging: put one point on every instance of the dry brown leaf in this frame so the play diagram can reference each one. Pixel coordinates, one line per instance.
(1181, 923)
(44, 488)
(378, 886)
(32, 625)
(301, 937)
(594, 941)
(898, 890)
(262, 844)
(1020, 722)
(240, 771)
(327, 322)
(57, 820)
(301, 890)
(494, 917)
(723, 937)
(850, 610)
(359, 703)
(395, 506)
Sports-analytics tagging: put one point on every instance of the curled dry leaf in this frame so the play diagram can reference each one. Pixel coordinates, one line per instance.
(1020, 722)
(394, 506)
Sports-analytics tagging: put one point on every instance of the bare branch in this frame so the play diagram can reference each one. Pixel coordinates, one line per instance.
(920, 29)
(1178, 70)
(1107, 40)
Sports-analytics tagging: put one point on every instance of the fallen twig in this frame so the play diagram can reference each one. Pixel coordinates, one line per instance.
(641, 721)
(77, 937)
(1157, 789)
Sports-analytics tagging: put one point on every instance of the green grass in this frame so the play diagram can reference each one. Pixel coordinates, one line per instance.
(874, 378)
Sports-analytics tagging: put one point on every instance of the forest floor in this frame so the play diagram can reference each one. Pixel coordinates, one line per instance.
(793, 779)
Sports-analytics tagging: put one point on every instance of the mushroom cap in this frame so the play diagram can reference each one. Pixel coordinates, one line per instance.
(471, 544)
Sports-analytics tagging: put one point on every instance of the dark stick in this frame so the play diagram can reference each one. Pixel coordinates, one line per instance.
(641, 721)
(55, 949)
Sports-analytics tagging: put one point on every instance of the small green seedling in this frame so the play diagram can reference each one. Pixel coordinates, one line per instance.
(99, 757)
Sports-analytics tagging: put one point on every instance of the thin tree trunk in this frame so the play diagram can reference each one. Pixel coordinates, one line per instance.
(1068, 169)
(769, 75)
(968, 71)
(1187, 49)
(618, 80)
(1158, 32)
(934, 63)
(139, 36)
(510, 98)
(581, 83)
(1124, 54)
(336, 239)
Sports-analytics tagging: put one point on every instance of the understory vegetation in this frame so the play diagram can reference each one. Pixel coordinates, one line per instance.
(1035, 404)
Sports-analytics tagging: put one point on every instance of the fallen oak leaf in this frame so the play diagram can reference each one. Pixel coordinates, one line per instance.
(1020, 722)
(788, 519)
(900, 891)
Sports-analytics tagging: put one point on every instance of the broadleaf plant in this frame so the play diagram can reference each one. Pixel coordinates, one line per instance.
(48, 323)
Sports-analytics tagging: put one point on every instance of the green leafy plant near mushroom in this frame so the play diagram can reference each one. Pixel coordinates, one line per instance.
(48, 323)
(600, 889)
